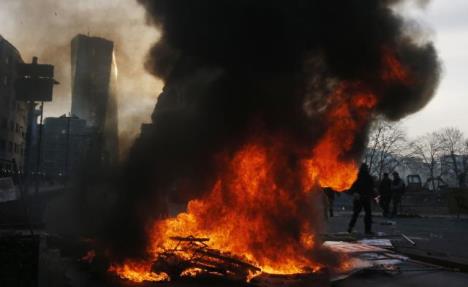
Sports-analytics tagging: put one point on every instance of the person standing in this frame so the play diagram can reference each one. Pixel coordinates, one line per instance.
(362, 191)
(385, 193)
(397, 189)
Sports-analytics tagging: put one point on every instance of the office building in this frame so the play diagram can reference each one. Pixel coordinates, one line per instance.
(94, 73)
(67, 143)
(13, 113)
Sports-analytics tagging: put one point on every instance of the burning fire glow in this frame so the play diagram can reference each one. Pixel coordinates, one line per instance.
(345, 118)
(138, 272)
(260, 192)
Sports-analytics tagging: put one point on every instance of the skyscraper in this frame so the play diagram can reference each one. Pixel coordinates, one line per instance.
(94, 73)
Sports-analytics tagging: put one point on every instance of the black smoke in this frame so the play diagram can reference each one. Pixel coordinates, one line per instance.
(230, 66)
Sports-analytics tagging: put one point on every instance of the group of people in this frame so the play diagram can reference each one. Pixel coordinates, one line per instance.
(390, 192)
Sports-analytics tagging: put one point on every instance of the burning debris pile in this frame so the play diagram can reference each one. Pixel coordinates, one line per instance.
(191, 256)
(265, 103)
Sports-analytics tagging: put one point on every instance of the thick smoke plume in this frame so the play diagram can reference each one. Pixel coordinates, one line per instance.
(233, 69)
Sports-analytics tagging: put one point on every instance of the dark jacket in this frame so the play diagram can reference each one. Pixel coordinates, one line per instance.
(385, 187)
(364, 186)
(398, 186)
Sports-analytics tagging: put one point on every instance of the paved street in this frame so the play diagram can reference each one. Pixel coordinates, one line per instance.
(443, 234)
(440, 235)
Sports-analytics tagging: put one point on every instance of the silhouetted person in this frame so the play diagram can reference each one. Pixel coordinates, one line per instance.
(330, 193)
(385, 193)
(363, 192)
(398, 188)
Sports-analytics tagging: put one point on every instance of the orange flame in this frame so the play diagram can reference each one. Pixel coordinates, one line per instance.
(345, 118)
(257, 190)
(259, 193)
(235, 219)
(394, 71)
(137, 271)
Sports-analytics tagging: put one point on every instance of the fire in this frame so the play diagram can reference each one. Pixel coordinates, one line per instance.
(137, 271)
(191, 272)
(259, 193)
(394, 71)
(264, 196)
(345, 117)
(235, 219)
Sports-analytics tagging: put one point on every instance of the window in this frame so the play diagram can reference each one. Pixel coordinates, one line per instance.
(2, 145)
(10, 147)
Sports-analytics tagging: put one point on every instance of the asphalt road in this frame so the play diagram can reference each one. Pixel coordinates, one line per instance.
(440, 235)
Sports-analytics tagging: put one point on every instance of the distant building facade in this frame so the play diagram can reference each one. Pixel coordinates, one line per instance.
(94, 73)
(13, 114)
(67, 142)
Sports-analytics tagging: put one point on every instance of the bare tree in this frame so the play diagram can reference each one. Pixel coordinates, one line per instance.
(427, 150)
(386, 148)
(454, 149)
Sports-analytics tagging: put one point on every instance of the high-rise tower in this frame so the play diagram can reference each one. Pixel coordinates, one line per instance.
(94, 74)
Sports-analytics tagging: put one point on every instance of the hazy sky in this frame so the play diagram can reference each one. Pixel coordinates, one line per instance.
(448, 20)
(45, 28)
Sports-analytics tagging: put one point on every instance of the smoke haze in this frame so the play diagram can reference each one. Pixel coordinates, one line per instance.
(44, 28)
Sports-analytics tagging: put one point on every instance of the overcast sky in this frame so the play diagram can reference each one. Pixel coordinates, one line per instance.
(55, 22)
(448, 20)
